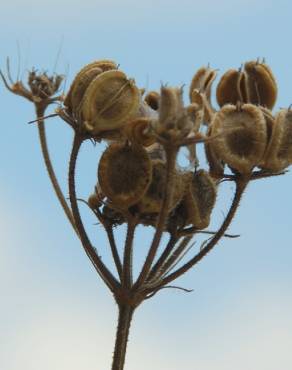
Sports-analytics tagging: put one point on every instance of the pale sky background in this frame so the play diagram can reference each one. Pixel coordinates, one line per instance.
(54, 313)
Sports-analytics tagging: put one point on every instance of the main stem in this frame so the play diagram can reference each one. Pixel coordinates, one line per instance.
(122, 335)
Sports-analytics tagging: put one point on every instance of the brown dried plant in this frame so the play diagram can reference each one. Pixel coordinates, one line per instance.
(139, 179)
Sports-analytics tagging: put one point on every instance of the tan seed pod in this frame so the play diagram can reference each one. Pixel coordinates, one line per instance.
(138, 132)
(79, 88)
(202, 81)
(242, 136)
(152, 200)
(202, 84)
(170, 103)
(261, 84)
(152, 99)
(216, 165)
(278, 155)
(200, 199)
(98, 65)
(124, 174)
(231, 88)
(109, 101)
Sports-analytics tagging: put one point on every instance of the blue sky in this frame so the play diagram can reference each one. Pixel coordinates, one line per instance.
(55, 314)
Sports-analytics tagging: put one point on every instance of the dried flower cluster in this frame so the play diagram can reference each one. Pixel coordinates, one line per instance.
(138, 178)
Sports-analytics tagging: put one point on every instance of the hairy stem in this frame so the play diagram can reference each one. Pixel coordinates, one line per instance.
(122, 335)
(114, 250)
(102, 270)
(162, 217)
(127, 280)
(48, 163)
(168, 249)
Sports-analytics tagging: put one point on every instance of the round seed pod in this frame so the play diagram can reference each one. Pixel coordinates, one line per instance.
(152, 99)
(278, 155)
(138, 132)
(109, 101)
(152, 199)
(261, 84)
(124, 174)
(242, 136)
(82, 80)
(199, 199)
(231, 88)
(79, 88)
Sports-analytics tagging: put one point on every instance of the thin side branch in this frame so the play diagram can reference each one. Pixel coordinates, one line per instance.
(100, 267)
(50, 169)
(162, 217)
(127, 280)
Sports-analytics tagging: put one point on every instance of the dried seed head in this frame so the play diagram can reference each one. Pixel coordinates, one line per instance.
(139, 131)
(278, 155)
(124, 174)
(152, 200)
(109, 101)
(200, 199)
(231, 88)
(82, 80)
(261, 84)
(242, 136)
(152, 99)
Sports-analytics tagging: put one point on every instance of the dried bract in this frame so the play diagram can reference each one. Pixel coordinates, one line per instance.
(242, 136)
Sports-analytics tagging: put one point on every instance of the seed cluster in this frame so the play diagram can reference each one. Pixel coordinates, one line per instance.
(244, 134)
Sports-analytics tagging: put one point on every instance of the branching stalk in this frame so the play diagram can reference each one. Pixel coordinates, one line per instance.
(48, 163)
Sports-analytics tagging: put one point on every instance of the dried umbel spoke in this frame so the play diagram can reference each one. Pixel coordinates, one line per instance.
(124, 174)
(243, 136)
(109, 101)
(278, 155)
